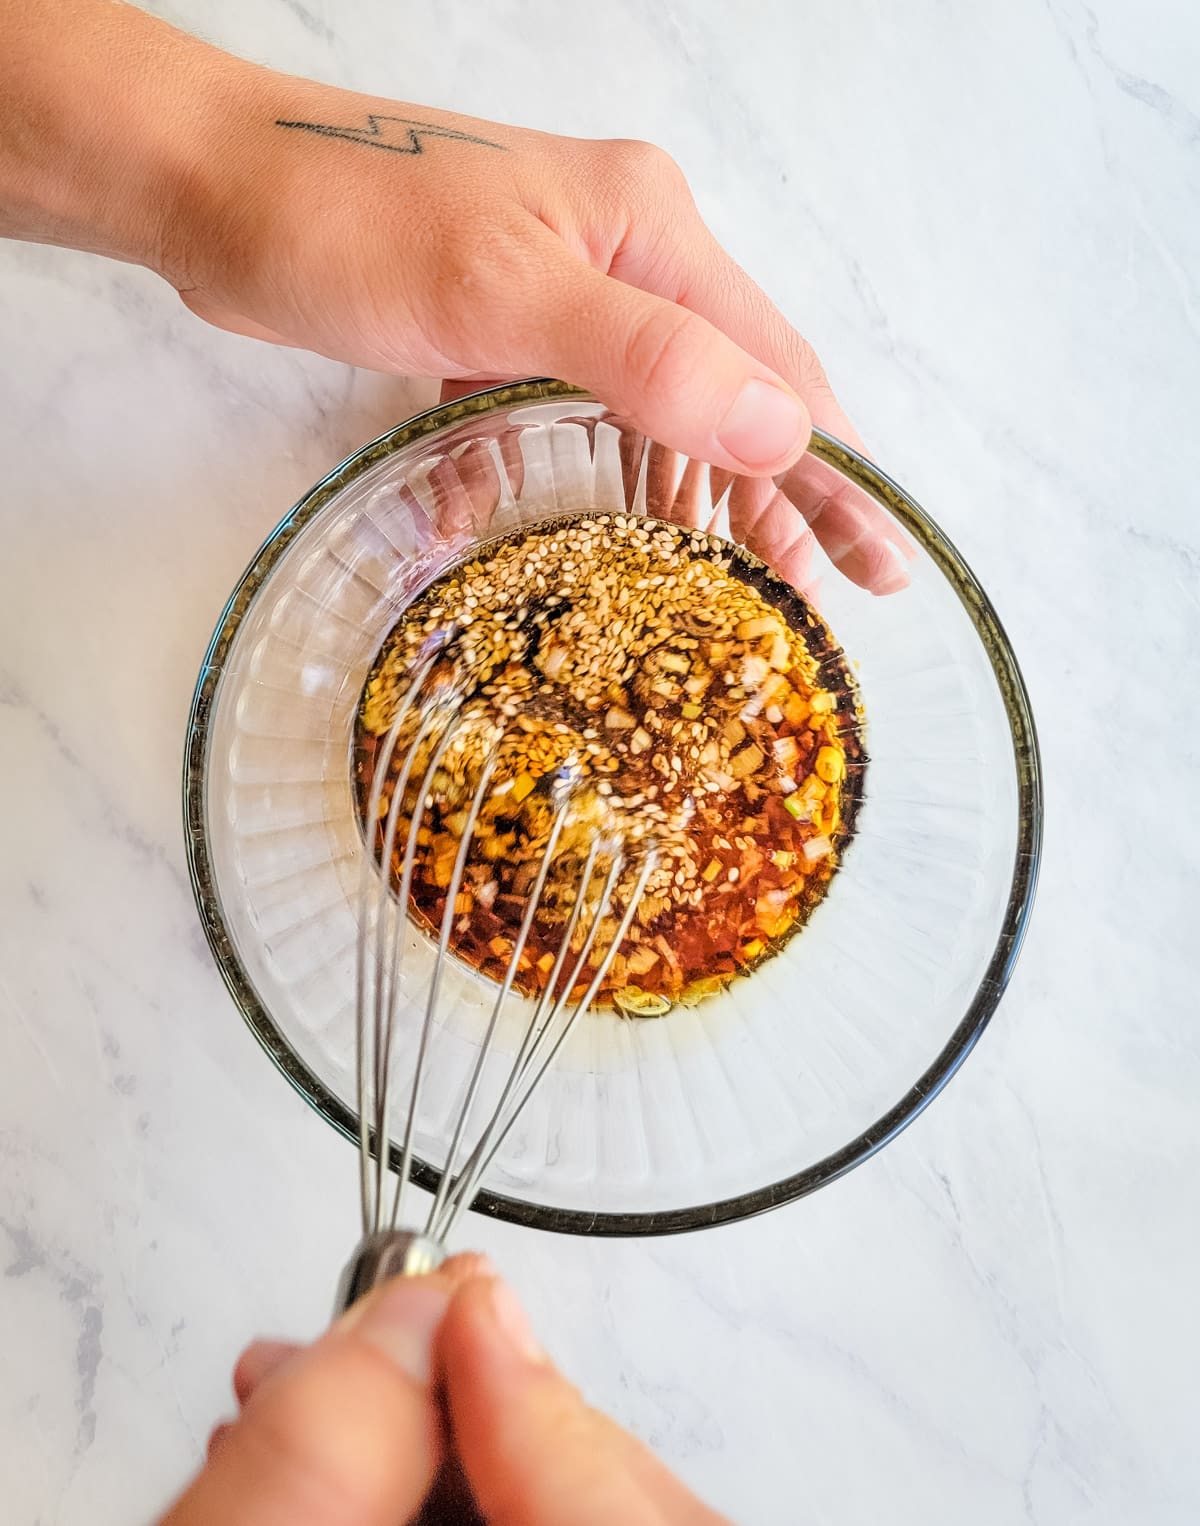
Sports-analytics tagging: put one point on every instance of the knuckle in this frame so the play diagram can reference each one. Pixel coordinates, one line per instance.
(806, 367)
(644, 157)
(644, 170)
(661, 348)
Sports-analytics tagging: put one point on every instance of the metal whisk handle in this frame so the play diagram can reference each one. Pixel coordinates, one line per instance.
(378, 1257)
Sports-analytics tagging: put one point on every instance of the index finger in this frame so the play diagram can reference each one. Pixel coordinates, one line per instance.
(856, 534)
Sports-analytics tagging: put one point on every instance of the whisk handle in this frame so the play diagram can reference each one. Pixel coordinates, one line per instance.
(378, 1257)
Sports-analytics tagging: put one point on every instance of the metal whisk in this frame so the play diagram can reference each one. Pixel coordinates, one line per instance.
(431, 713)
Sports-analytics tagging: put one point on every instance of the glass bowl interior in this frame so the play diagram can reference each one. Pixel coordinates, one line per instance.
(755, 1096)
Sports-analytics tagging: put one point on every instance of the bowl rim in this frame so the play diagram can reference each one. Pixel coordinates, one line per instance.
(869, 1141)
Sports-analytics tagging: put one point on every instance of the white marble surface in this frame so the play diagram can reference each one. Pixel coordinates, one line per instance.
(986, 218)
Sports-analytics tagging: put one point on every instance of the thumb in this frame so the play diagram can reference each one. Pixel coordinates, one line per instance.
(675, 374)
(346, 1433)
(535, 1454)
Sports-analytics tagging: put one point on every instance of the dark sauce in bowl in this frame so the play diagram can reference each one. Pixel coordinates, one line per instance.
(682, 696)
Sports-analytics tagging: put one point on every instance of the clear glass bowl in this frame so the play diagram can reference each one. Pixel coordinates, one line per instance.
(756, 1096)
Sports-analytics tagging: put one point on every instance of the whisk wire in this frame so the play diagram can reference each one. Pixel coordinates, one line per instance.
(360, 984)
(391, 921)
(547, 1008)
(439, 963)
(510, 974)
(502, 1124)
(383, 913)
(447, 924)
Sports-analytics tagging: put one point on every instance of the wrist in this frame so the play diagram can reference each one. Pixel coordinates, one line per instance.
(105, 119)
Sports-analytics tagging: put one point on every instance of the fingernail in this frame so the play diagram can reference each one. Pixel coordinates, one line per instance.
(514, 1323)
(400, 1321)
(764, 425)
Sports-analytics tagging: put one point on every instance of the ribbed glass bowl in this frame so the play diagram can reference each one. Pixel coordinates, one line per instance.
(757, 1095)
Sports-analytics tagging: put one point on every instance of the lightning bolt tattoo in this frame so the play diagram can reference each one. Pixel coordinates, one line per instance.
(398, 135)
